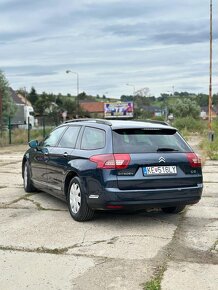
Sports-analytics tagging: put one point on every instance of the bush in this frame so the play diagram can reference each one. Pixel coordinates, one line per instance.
(189, 124)
(185, 107)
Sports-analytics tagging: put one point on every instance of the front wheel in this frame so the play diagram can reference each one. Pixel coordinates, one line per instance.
(27, 182)
(173, 209)
(77, 203)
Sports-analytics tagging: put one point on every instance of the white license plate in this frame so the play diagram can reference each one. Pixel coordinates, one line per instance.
(159, 170)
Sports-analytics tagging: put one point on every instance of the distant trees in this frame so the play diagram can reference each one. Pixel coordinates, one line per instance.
(8, 106)
(181, 104)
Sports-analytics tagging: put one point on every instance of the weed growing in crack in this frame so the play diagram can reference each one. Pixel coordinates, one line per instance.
(155, 282)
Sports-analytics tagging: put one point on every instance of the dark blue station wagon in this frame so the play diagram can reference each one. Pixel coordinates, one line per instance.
(98, 164)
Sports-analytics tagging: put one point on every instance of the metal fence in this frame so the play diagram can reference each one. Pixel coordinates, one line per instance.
(22, 134)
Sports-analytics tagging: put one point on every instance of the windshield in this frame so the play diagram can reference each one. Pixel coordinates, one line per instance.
(145, 141)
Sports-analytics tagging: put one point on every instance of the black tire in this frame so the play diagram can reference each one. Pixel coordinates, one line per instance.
(76, 201)
(27, 182)
(173, 209)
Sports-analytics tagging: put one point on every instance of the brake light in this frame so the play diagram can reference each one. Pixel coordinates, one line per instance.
(193, 159)
(111, 161)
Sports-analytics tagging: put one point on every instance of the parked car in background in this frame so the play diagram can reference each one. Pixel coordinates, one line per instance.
(114, 165)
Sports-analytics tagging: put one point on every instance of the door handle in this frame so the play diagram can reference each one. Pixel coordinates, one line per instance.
(65, 154)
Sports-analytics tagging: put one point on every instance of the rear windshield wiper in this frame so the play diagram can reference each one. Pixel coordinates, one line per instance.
(167, 149)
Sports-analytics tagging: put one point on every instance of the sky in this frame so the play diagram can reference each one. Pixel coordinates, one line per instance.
(114, 46)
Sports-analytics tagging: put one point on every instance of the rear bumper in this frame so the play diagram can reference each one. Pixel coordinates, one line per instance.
(141, 199)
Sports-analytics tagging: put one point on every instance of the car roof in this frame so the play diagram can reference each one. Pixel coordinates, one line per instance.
(124, 124)
(118, 124)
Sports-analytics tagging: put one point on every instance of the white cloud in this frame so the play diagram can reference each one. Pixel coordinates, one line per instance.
(156, 44)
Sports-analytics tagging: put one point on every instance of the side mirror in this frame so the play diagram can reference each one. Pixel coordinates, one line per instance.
(34, 143)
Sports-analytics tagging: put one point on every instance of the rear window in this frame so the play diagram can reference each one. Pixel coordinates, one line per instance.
(147, 140)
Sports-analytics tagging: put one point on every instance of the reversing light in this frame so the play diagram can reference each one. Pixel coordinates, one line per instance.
(194, 160)
(111, 161)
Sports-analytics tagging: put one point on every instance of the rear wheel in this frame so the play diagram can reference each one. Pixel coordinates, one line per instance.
(27, 182)
(173, 209)
(77, 203)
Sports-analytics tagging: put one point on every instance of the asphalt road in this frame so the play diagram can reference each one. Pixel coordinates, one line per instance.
(41, 247)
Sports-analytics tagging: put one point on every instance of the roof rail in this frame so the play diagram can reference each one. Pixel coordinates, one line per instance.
(154, 122)
(100, 121)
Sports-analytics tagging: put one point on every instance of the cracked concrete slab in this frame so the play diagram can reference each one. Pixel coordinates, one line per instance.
(185, 276)
(116, 274)
(210, 189)
(200, 228)
(9, 195)
(20, 270)
(210, 169)
(129, 247)
(6, 180)
(114, 251)
(208, 177)
(47, 201)
(55, 229)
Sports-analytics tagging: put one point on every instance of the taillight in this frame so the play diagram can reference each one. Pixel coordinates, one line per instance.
(111, 161)
(193, 159)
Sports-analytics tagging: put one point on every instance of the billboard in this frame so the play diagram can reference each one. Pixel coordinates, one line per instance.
(118, 110)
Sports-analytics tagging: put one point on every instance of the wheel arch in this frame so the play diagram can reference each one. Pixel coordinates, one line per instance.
(67, 180)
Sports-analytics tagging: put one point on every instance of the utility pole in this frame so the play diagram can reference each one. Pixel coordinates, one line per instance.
(1, 106)
(211, 67)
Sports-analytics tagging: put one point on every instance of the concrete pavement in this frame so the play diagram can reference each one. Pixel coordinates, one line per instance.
(41, 247)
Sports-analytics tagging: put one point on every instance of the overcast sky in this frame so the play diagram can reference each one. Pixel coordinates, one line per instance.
(159, 44)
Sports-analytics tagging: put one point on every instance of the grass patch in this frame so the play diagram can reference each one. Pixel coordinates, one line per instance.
(213, 248)
(155, 282)
(211, 147)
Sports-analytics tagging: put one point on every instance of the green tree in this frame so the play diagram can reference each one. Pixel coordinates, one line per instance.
(8, 106)
(33, 96)
(44, 103)
(185, 107)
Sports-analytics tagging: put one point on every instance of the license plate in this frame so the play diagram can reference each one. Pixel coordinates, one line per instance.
(159, 170)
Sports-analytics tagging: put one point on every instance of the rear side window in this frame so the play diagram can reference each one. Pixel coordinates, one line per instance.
(93, 138)
(69, 138)
(148, 140)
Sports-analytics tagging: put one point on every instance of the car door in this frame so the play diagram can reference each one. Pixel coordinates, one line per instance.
(59, 157)
(41, 156)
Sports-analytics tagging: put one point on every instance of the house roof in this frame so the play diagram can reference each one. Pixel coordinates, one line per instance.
(93, 107)
(19, 99)
(16, 98)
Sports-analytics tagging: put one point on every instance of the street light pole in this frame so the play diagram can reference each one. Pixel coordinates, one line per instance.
(131, 85)
(77, 79)
(77, 82)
